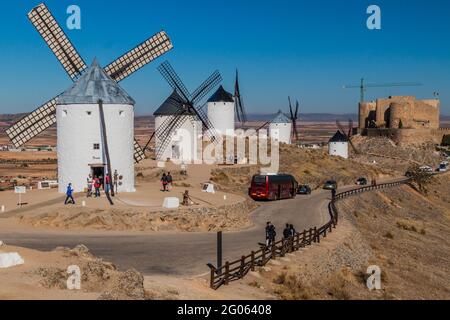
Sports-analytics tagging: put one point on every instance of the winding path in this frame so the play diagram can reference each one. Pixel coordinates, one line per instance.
(181, 254)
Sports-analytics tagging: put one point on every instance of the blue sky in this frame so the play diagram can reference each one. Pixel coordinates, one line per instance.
(305, 49)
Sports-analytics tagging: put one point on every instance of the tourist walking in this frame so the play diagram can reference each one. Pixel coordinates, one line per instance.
(271, 233)
(169, 181)
(268, 233)
(107, 183)
(164, 182)
(89, 185)
(97, 186)
(69, 195)
(292, 230)
(287, 232)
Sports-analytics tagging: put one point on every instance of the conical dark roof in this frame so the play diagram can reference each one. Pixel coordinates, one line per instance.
(339, 137)
(95, 85)
(221, 95)
(172, 106)
(280, 117)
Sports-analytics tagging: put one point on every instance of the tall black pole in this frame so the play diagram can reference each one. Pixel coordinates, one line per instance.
(106, 150)
(219, 250)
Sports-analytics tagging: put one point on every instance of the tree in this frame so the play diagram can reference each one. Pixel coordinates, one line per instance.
(419, 179)
(446, 140)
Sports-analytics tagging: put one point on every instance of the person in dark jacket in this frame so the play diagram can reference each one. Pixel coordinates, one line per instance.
(69, 195)
(287, 232)
(272, 234)
(164, 182)
(169, 181)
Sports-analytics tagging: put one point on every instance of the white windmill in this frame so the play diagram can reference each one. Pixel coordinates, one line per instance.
(280, 128)
(95, 120)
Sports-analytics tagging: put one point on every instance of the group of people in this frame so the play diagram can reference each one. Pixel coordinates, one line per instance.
(166, 181)
(271, 234)
(94, 185)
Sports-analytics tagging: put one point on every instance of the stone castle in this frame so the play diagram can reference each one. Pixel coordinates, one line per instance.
(404, 119)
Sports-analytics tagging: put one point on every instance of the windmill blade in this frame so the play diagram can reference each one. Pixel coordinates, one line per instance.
(239, 103)
(353, 147)
(139, 153)
(206, 87)
(33, 124)
(297, 106)
(290, 108)
(265, 124)
(173, 79)
(57, 40)
(350, 128)
(140, 56)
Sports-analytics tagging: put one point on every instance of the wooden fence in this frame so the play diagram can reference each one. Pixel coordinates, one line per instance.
(238, 269)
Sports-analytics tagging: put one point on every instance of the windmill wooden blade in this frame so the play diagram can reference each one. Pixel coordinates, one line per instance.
(297, 106)
(138, 57)
(139, 154)
(206, 87)
(173, 79)
(56, 39)
(33, 124)
(290, 109)
(342, 129)
(239, 103)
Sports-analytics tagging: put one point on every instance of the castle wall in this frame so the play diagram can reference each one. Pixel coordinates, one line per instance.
(410, 136)
(367, 112)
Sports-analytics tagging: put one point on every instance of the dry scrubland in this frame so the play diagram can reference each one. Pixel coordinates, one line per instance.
(309, 166)
(44, 276)
(227, 218)
(398, 229)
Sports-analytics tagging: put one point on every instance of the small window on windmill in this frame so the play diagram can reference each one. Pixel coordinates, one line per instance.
(89, 113)
(121, 113)
(64, 113)
(96, 146)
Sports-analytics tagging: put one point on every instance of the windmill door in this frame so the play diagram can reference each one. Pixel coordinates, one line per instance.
(176, 154)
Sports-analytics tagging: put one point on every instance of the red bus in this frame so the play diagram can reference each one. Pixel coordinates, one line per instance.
(273, 187)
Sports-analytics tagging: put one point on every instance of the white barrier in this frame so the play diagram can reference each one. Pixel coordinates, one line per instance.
(171, 203)
(8, 260)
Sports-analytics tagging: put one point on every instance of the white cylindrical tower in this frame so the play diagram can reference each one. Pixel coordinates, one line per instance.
(183, 141)
(81, 145)
(221, 112)
(338, 145)
(280, 128)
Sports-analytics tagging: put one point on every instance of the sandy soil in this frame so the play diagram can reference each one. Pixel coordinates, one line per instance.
(44, 276)
(135, 211)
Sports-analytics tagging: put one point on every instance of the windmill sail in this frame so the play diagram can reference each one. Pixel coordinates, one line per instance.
(239, 103)
(56, 39)
(44, 117)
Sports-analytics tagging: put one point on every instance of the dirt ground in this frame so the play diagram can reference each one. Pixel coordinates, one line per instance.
(44, 276)
(403, 232)
(139, 211)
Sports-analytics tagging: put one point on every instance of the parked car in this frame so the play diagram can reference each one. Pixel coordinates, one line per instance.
(304, 189)
(361, 181)
(426, 169)
(443, 166)
(330, 185)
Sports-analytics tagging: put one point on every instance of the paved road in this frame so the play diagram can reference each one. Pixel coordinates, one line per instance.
(181, 254)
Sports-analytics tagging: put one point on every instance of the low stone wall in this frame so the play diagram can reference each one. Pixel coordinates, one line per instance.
(410, 136)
